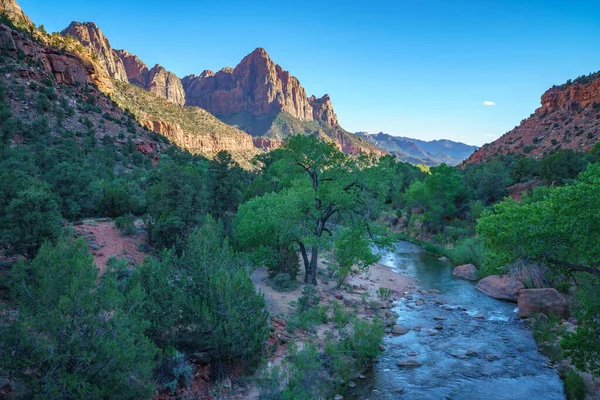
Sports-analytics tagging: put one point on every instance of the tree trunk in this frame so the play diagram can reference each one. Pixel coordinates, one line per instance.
(313, 265)
(306, 262)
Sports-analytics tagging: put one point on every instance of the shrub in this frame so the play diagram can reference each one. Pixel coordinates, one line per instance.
(126, 225)
(42, 105)
(284, 283)
(341, 316)
(563, 286)
(308, 312)
(173, 371)
(468, 251)
(29, 214)
(219, 309)
(73, 338)
(270, 384)
(384, 293)
(365, 340)
(116, 200)
(304, 369)
(574, 386)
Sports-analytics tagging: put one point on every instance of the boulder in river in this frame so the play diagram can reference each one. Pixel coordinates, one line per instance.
(501, 287)
(409, 363)
(547, 301)
(398, 330)
(466, 271)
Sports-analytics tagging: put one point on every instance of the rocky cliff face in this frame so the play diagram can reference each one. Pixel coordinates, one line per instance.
(323, 110)
(166, 85)
(68, 68)
(136, 69)
(94, 40)
(190, 128)
(569, 118)
(574, 96)
(256, 86)
(126, 67)
(12, 10)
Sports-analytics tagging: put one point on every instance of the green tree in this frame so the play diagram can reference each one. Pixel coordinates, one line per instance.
(29, 214)
(325, 189)
(72, 338)
(438, 196)
(490, 181)
(226, 181)
(217, 307)
(176, 198)
(561, 230)
(559, 167)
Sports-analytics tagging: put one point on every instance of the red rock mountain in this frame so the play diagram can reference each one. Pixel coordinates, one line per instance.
(12, 10)
(569, 118)
(256, 86)
(125, 67)
(68, 68)
(92, 38)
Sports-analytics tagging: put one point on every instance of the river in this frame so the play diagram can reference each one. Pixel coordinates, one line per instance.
(469, 345)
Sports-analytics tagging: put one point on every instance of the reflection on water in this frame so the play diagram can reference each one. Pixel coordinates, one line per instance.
(469, 345)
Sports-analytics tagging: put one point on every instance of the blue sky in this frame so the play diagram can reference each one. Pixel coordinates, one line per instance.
(415, 68)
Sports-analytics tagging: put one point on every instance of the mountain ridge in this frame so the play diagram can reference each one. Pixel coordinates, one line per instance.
(568, 118)
(417, 151)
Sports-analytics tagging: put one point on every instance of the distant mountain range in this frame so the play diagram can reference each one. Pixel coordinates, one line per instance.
(418, 151)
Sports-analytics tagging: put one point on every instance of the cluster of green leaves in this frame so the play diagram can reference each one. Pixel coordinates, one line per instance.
(309, 190)
(308, 312)
(308, 373)
(72, 337)
(183, 189)
(203, 300)
(560, 228)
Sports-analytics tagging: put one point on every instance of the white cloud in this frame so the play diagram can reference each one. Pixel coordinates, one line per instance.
(491, 135)
(488, 103)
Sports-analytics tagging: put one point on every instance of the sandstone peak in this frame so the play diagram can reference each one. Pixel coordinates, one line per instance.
(260, 52)
(259, 87)
(136, 69)
(94, 40)
(13, 11)
(126, 67)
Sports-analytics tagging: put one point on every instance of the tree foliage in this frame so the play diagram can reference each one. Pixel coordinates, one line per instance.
(29, 213)
(72, 338)
(322, 190)
(204, 300)
(562, 230)
(438, 196)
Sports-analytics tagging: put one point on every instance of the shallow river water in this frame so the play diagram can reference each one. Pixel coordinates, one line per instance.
(462, 355)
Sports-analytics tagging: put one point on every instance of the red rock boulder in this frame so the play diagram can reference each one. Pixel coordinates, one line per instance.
(466, 271)
(501, 287)
(547, 301)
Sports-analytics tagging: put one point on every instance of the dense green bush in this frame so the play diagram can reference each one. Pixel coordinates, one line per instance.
(219, 309)
(126, 225)
(284, 282)
(73, 338)
(468, 251)
(29, 214)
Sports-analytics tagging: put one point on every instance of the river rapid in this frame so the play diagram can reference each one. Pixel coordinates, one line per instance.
(468, 345)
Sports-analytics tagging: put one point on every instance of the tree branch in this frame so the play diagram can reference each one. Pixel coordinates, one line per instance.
(577, 267)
